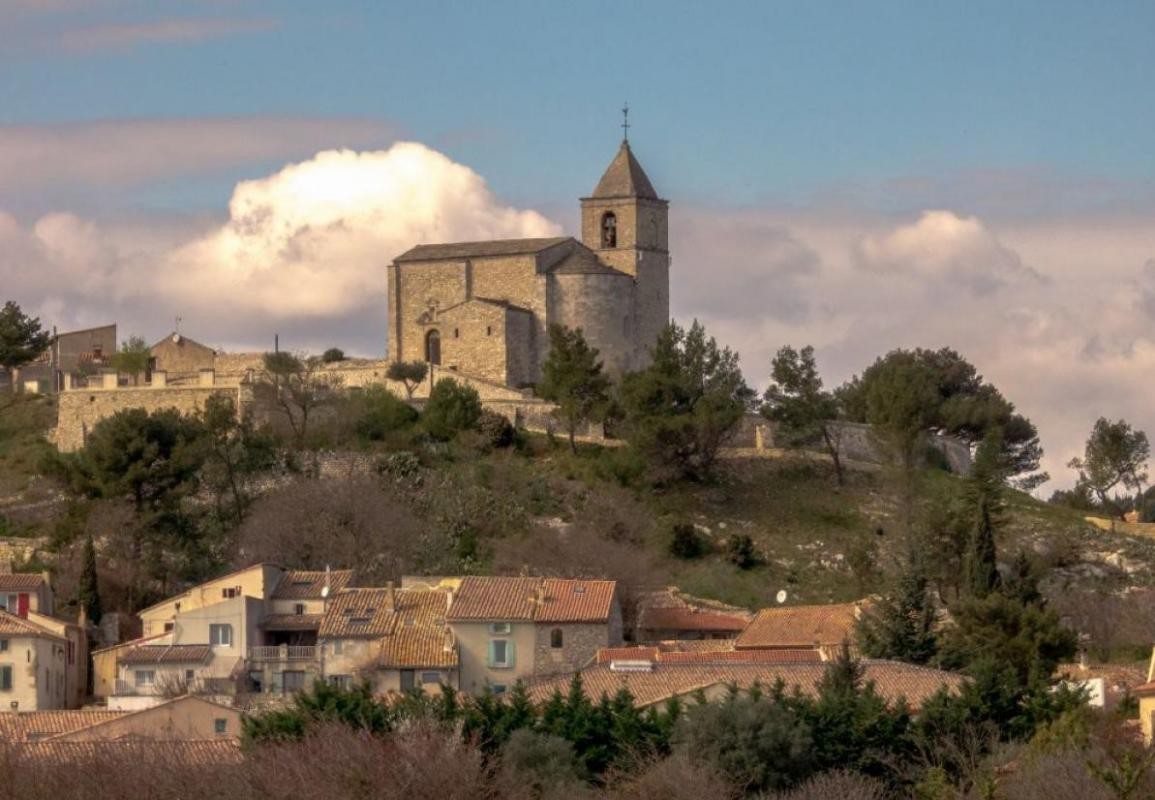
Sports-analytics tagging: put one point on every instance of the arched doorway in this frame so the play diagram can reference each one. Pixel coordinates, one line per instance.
(433, 347)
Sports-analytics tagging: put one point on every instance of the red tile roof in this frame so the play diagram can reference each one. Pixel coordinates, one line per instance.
(688, 619)
(358, 614)
(299, 584)
(166, 654)
(12, 625)
(209, 752)
(892, 680)
(24, 726)
(410, 624)
(21, 581)
(800, 626)
(291, 622)
(671, 653)
(546, 600)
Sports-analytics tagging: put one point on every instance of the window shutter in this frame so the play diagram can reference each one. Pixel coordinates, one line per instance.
(490, 659)
(510, 654)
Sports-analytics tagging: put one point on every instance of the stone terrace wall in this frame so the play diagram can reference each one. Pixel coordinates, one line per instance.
(80, 409)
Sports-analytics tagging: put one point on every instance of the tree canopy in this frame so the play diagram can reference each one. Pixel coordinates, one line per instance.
(680, 409)
(802, 409)
(21, 338)
(1115, 455)
(572, 378)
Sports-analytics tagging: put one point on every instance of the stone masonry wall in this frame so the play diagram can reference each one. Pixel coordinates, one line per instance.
(80, 409)
(580, 645)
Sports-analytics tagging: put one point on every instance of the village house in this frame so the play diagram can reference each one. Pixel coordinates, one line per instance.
(824, 627)
(510, 629)
(34, 665)
(22, 592)
(187, 718)
(671, 614)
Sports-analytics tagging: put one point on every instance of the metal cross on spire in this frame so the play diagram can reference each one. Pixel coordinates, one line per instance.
(626, 122)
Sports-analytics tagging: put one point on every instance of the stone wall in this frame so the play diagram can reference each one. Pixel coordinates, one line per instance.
(474, 334)
(601, 305)
(80, 409)
(580, 644)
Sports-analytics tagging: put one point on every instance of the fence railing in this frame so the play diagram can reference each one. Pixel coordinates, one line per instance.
(284, 652)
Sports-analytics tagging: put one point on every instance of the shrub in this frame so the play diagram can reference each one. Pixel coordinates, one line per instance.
(839, 784)
(382, 413)
(541, 761)
(685, 542)
(452, 407)
(332, 355)
(496, 430)
(622, 465)
(740, 551)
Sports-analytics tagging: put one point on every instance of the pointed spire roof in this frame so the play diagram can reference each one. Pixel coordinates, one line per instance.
(625, 177)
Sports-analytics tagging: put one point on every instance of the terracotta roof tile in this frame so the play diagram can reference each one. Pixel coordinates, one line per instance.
(300, 584)
(21, 581)
(12, 625)
(185, 753)
(892, 680)
(418, 647)
(687, 619)
(27, 726)
(546, 600)
(292, 622)
(166, 654)
(672, 653)
(358, 614)
(800, 626)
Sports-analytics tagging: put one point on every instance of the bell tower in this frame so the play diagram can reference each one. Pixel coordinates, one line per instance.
(627, 225)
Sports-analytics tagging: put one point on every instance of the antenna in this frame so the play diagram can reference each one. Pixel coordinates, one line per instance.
(781, 596)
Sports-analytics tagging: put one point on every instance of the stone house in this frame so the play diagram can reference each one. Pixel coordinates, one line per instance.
(178, 355)
(484, 308)
(510, 629)
(822, 627)
(72, 354)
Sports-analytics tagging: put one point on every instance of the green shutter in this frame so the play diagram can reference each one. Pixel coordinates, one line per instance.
(510, 656)
(490, 659)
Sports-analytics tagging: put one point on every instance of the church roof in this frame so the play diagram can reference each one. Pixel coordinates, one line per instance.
(624, 177)
(583, 261)
(500, 247)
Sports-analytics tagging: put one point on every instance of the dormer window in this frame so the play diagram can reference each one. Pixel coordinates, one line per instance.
(609, 230)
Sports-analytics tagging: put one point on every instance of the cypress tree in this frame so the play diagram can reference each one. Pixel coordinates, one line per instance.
(901, 625)
(985, 491)
(88, 593)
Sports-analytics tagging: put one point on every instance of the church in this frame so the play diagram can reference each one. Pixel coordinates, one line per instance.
(484, 309)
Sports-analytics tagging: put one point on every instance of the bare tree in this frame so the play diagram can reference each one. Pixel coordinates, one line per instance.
(297, 385)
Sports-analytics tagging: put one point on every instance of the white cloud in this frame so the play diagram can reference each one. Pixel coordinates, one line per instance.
(942, 246)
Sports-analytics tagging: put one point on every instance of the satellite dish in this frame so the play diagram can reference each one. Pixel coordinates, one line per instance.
(324, 592)
(781, 596)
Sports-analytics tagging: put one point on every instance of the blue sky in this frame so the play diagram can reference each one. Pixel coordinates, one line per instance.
(740, 103)
(858, 176)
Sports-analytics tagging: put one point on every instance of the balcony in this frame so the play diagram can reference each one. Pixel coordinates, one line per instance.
(285, 652)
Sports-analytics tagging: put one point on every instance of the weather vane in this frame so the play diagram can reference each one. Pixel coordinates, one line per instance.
(626, 122)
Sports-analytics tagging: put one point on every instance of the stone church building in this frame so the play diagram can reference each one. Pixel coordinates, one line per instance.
(484, 308)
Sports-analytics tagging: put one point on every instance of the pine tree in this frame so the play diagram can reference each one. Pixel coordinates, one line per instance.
(572, 378)
(88, 593)
(901, 625)
(985, 494)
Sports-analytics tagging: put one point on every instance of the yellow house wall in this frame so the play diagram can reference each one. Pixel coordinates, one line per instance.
(187, 719)
(39, 679)
(1147, 716)
(473, 653)
(257, 581)
(76, 671)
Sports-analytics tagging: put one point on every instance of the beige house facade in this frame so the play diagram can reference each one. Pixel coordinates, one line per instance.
(483, 309)
(33, 666)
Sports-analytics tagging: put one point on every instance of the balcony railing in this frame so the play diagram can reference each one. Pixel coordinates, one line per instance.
(284, 652)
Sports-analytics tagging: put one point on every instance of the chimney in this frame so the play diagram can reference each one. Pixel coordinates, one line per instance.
(392, 595)
(539, 595)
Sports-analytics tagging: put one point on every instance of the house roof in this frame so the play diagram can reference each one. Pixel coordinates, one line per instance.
(21, 581)
(23, 726)
(546, 600)
(624, 177)
(409, 622)
(300, 584)
(82, 733)
(12, 625)
(583, 261)
(186, 753)
(178, 595)
(358, 614)
(292, 622)
(498, 247)
(166, 654)
(675, 618)
(670, 653)
(418, 647)
(892, 680)
(800, 626)
(180, 339)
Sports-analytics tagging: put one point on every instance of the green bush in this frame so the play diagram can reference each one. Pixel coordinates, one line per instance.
(686, 542)
(382, 413)
(496, 430)
(740, 551)
(452, 407)
(621, 465)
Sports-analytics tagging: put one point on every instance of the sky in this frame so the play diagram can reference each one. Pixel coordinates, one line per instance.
(857, 176)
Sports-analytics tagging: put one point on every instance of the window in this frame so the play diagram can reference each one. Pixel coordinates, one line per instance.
(221, 726)
(299, 609)
(144, 677)
(292, 681)
(168, 626)
(499, 628)
(231, 592)
(3, 645)
(338, 647)
(457, 333)
(430, 678)
(555, 639)
(341, 681)
(407, 679)
(190, 675)
(221, 635)
(500, 654)
(433, 347)
(5, 678)
(489, 330)
(498, 688)
(609, 230)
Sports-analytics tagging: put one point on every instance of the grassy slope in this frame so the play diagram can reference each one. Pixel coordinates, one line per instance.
(24, 421)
